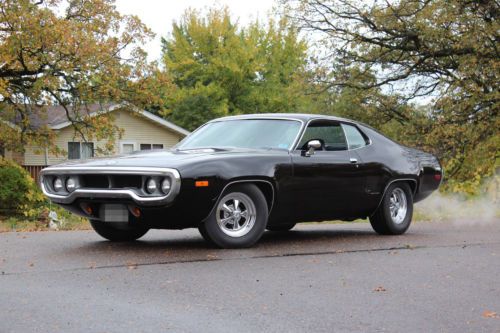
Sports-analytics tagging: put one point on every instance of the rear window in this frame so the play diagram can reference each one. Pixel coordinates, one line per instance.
(354, 137)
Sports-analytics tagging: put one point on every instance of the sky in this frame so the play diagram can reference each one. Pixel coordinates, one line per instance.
(158, 15)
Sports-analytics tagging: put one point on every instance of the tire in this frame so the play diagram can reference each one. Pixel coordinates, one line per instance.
(281, 227)
(243, 204)
(397, 197)
(118, 234)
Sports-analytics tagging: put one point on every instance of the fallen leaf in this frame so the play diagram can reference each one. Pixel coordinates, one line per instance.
(131, 265)
(92, 264)
(31, 264)
(490, 314)
(379, 288)
(211, 257)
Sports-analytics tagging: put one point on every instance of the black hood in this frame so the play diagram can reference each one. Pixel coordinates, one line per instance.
(170, 158)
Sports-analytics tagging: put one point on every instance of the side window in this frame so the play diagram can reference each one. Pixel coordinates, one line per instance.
(354, 138)
(329, 132)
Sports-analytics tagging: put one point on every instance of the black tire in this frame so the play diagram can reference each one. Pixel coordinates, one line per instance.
(251, 228)
(386, 224)
(281, 227)
(124, 233)
(203, 233)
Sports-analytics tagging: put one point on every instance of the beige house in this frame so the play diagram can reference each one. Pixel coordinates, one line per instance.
(142, 130)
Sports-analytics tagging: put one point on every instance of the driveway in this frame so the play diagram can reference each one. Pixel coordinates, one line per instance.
(439, 277)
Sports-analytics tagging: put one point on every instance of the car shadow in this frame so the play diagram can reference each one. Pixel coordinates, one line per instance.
(193, 247)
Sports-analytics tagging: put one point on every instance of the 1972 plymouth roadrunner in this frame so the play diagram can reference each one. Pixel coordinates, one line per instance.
(236, 176)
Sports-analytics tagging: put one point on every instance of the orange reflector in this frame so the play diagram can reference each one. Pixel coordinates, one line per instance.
(87, 209)
(201, 183)
(135, 211)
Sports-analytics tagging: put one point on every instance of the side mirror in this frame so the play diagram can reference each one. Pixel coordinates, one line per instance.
(312, 146)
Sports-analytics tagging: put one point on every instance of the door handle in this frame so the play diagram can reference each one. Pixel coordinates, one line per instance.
(353, 160)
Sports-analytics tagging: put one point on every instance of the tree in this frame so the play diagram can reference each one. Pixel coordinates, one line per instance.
(219, 68)
(438, 52)
(71, 53)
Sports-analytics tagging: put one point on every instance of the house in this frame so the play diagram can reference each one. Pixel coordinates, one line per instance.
(142, 130)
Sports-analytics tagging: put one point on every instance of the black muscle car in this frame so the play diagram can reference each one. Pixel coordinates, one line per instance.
(236, 176)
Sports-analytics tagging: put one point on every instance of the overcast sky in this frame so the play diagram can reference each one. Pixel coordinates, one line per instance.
(158, 15)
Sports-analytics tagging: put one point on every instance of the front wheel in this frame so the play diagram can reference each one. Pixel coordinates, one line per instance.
(239, 218)
(118, 233)
(394, 215)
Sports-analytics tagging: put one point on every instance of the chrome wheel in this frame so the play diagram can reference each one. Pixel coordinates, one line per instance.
(236, 214)
(398, 205)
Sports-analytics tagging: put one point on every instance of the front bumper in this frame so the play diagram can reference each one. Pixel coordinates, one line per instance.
(135, 195)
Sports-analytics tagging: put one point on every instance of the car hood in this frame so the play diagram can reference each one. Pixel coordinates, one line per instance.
(169, 158)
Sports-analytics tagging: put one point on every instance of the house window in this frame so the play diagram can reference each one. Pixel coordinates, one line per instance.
(148, 146)
(127, 148)
(80, 150)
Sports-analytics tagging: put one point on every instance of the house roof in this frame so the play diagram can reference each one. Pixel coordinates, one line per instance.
(56, 116)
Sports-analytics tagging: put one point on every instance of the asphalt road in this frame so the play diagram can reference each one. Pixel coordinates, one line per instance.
(439, 277)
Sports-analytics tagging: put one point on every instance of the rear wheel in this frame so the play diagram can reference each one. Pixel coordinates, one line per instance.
(281, 227)
(239, 218)
(394, 215)
(118, 232)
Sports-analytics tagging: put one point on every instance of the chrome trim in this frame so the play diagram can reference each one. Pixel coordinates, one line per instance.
(243, 181)
(340, 121)
(112, 193)
(389, 184)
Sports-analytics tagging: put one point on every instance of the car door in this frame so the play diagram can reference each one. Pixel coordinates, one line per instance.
(327, 184)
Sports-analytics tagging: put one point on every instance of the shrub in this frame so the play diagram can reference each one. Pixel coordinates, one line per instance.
(18, 191)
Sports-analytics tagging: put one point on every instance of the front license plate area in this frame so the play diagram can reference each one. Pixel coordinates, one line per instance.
(114, 213)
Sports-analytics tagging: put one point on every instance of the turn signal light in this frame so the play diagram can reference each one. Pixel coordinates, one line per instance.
(135, 211)
(87, 208)
(201, 183)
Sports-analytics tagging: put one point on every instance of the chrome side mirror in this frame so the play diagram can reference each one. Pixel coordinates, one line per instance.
(312, 146)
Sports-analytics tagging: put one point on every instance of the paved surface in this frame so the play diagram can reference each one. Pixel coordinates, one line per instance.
(317, 278)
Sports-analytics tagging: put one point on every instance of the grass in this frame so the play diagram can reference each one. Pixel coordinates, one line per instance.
(22, 224)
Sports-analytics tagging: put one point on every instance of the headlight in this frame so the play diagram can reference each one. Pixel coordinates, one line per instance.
(165, 185)
(151, 185)
(71, 184)
(58, 184)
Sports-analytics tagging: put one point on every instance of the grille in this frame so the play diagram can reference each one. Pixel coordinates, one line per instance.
(126, 181)
(111, 181)
(95, 181)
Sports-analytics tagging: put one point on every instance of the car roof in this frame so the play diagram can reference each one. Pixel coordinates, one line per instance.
(305, 117)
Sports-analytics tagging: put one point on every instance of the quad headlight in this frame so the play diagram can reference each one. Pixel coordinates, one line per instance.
(166, 184)
(71, 184)
(57, 184)
(151, 185)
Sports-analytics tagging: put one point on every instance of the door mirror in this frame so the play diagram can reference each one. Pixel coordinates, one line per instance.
(312, 146)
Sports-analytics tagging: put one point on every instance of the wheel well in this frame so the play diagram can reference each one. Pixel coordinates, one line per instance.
(264, 186)
(412, 183)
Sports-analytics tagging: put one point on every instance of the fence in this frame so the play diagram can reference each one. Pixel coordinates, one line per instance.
(34, 171)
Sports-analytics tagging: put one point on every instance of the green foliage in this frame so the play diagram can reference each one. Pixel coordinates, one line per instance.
(219, 68)
(18, 191)
(70, 53)
(443, 50)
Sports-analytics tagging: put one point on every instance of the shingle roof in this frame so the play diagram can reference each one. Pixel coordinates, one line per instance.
(56, 116)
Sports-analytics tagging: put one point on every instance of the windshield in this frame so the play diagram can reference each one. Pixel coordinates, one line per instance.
(244, 133)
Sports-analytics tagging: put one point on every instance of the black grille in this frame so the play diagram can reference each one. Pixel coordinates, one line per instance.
(126, 181)
(95, 181)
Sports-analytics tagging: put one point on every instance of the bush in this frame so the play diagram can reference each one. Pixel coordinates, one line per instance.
(18, 191)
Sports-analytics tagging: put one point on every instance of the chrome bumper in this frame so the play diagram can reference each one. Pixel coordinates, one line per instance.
(91, 193)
